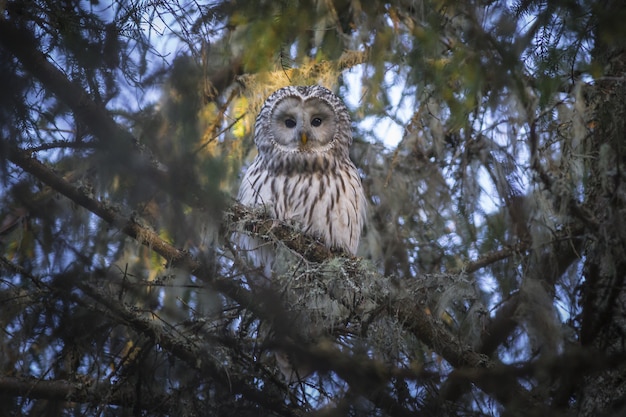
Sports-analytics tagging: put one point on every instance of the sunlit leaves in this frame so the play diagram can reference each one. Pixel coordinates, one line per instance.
(241, 126)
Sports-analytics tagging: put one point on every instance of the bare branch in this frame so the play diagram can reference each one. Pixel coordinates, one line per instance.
(81, 391)
(495, 256)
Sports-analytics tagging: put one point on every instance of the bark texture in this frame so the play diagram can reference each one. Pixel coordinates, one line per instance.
(604, 294)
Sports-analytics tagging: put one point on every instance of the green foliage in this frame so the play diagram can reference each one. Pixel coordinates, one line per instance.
(494, 232)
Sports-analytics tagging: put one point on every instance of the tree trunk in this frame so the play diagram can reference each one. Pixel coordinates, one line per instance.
(604, 292)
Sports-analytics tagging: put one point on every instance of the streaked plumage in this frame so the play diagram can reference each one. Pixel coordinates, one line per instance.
(308, 179)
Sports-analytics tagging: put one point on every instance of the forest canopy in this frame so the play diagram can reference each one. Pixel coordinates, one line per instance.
(490, 278)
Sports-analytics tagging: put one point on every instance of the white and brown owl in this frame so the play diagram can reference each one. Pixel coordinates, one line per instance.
(303, 174)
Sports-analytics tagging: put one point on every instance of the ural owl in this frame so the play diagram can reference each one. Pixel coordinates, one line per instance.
(303, 174)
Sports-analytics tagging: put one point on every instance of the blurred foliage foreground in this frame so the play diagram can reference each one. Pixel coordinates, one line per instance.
(491, 276)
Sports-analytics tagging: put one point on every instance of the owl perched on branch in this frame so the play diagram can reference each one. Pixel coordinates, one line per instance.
(303, 174)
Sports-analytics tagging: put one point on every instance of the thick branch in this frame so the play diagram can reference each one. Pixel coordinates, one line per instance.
(396, 297)
(261, 225)
(81, 392)
(106, 212)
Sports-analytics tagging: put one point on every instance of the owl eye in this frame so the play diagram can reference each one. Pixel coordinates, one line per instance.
(290, 123)
(316, 122)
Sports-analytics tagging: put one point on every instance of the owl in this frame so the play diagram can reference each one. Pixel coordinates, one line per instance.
(303, 174)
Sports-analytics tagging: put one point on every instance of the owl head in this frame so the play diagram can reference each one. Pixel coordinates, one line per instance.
(303, 120)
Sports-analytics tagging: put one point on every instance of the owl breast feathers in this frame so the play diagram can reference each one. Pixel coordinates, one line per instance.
(303, 172)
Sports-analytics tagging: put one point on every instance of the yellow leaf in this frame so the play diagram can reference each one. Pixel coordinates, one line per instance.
(240, 128)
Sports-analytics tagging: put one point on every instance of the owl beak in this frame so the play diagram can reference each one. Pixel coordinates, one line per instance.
(303, 138)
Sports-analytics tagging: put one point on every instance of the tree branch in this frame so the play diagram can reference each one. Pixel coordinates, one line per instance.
(258, 223)
(81, 392)
(106, 212)
(129, 153)
(494, 256)
(186, 349)
(191, 350)
(401, 298)
(21, 43)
